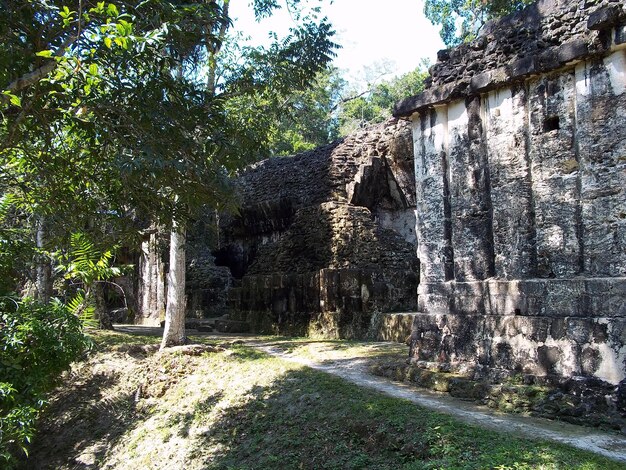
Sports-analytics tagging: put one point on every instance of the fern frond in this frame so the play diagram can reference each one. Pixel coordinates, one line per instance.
(76, 303)
(88, 317)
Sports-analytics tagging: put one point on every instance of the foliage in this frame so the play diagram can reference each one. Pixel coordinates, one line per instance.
(462, 20)
(115, 118)
(376, 104)
(16, 247)
(85, 264)
(37, 343)
(332, 108)
(117, 112)
(309, 119)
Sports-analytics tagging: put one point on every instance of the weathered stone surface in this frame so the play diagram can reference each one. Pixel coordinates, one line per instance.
(395, 327)
(564, 346)
(521, 200)
(325, 240)
(606, 17)
(334, 261)
(207, 287)
(579, 400)
(543, 37)
(231, 326)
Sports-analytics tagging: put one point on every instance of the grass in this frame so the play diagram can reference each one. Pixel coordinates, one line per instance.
(242, 409)
(333, 350)
(105, 339)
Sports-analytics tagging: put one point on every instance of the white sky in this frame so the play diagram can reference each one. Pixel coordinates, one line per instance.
(370, 31)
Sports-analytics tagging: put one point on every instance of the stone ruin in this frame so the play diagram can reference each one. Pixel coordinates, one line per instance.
(325, 240)
(324, 243)
(519, 187)
(520, 163)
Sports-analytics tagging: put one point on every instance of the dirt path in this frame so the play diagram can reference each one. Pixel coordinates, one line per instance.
(356, 371)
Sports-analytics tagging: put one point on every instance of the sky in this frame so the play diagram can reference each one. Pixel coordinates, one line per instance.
(371, 33)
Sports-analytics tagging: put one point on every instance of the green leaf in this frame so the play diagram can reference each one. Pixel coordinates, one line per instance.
(14, 99)
(93, 69)
(47, 54)
(112, 10)
(99, 8)
(108, 42)
(122, 42)
(126, 27)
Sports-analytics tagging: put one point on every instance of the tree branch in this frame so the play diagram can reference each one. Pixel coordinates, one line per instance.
(33, 77)
(350, 98)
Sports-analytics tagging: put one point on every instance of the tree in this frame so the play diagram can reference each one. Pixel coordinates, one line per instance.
(310, 118)
(375, 104)
(109, 110)
(292, 64)
(462, 20)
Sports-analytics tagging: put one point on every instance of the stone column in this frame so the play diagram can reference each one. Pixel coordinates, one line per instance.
(472, 237)
(601, 138)
(433, 229)
(555, 171)
(511, 194)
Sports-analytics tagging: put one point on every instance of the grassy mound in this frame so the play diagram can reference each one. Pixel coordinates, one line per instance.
(131, 407)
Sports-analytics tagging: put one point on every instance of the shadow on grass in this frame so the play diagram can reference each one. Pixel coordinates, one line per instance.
(104, 339)
(308, 419)
(184, 421)
(81, 420)
(302, 419)
(247, 354)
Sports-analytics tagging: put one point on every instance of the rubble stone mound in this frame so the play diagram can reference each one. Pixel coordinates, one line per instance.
(325, 240)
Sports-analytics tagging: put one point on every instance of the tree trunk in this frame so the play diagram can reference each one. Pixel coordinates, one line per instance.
(174, 333)
(44, 269)
(214, 51)
(102, 314)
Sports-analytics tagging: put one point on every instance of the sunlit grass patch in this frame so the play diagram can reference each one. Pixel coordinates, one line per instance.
(333, 350)
(240, 408)
(104, 339)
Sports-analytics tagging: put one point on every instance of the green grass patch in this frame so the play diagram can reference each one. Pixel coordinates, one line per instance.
(308, 419)
(105, 339)
(243, 409)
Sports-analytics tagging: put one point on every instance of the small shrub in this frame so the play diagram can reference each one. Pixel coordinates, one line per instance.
(37, 343)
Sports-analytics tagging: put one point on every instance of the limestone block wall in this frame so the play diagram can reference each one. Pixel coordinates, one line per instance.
(328, 275)
(325, 240)
(520, 164)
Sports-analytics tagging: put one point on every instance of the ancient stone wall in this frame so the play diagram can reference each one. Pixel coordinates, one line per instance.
(520, 145)
(151, 294)
(325, 240)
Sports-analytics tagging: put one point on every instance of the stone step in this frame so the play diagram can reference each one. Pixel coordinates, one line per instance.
(395, 326)
(199, 324)
(232, 326)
